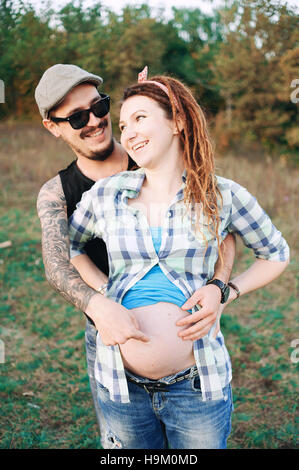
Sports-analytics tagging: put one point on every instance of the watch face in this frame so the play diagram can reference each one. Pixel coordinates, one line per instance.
(225, 293)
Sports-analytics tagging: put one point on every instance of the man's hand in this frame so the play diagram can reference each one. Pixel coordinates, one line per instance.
(217, 326)
(208, 298)
(115, 323)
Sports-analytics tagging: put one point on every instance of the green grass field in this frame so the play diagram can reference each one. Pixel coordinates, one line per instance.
(44, 389)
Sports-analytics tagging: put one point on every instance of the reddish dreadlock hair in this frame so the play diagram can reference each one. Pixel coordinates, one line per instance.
(198, 156)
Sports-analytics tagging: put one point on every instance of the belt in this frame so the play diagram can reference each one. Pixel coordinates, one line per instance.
(156, 386)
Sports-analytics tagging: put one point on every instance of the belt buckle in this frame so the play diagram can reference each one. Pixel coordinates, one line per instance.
(155, 387)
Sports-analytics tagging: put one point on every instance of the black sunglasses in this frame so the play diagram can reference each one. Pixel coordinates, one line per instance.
(80, 119)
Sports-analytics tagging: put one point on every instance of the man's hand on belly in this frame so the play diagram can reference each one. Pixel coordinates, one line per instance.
(115, 323)
(208, 298)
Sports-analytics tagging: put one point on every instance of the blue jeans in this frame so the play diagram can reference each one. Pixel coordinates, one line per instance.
(90, 344)
(176, 418)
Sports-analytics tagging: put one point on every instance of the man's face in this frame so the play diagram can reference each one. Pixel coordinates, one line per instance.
(94, 141)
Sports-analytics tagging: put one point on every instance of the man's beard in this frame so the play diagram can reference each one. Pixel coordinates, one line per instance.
(96, 155)
(103, 154)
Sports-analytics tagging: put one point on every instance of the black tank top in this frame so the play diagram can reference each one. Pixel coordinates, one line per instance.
(74, 184)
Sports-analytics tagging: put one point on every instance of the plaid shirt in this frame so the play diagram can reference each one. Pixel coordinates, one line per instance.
(183, 258)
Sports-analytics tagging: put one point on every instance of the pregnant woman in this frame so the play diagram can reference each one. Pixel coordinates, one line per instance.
(163, 226)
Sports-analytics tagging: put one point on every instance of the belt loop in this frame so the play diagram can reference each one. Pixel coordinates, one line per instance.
(193, 371)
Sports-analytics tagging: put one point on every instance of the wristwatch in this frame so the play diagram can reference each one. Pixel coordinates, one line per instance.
(223, 287)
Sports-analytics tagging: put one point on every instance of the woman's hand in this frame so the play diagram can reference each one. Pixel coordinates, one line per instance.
(208, 298)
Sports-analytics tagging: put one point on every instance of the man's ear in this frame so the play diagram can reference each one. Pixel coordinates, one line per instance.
(51, 126)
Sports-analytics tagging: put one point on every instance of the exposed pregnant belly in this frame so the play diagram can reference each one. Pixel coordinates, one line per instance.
(166, 353)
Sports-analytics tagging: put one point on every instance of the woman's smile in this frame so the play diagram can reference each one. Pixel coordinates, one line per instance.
(139, 146)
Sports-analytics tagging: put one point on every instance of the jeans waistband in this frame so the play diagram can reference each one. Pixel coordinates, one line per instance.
(161, 384)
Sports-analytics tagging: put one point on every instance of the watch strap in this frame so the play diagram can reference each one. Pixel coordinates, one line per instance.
(217, 283)
(222, 286)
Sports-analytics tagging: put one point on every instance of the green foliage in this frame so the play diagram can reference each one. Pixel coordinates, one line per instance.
(239, 61)
(256, 63)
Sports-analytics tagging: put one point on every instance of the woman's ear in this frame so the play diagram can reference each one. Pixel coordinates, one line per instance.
(178, 125)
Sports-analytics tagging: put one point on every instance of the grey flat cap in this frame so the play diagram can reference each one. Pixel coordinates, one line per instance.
(57, 81)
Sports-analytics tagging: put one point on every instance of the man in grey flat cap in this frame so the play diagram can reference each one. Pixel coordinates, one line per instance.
(73, 109)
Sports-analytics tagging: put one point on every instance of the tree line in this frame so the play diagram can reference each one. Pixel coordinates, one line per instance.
(240, 61)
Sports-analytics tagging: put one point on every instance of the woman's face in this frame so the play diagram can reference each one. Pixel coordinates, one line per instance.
(146, 134)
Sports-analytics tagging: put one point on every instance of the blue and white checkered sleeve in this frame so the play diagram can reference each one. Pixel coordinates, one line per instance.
(81, 225)
(255, 227)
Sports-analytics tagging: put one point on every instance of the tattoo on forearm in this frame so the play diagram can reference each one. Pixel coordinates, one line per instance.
(51, 207)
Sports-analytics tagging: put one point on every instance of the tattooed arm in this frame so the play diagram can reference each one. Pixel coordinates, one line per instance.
(115, 323)
(51, 208)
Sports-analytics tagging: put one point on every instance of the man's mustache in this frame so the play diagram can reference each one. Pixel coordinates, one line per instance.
(91, 130)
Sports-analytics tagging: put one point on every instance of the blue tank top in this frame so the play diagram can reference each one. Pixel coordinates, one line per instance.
(154, 286)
